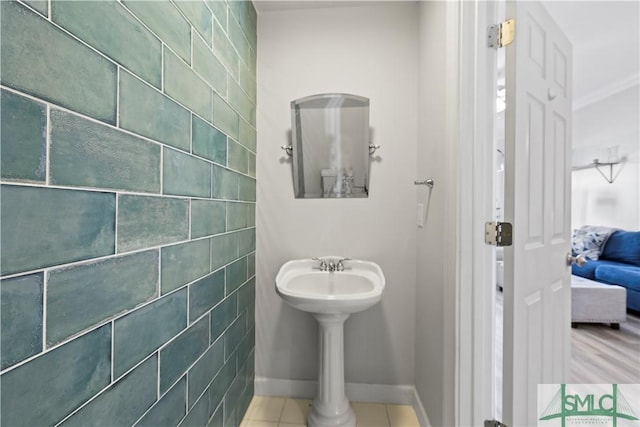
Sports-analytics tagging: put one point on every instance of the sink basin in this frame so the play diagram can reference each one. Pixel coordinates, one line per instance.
(302, 285)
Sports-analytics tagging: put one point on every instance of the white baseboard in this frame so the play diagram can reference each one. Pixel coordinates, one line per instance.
(357, 392)
(420, 411)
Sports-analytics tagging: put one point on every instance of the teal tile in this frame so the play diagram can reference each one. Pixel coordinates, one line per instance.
(201, 374)
(138, 334)
(41, 60)
(238, 157)
(23, 126)
(246, 188)
(247, 135)
(199, 16)
(208, 66)
(251, 264)
(205, 293)
(169, 410)
(217, 418)
(209, 142)
(221, 383)
(112, 30)
(225, 183)
(248, 82)
(251, 214)
(239, 384)
(20, 318)
(222, 316)
(146, 111)
(124, 402)
(238, 39)
(185, 86)
(207, 218)
(251, 365)
(253, 66)
(234, 334)
(180, 353)
(149, 221)
(42, 227)
(245, 400)
(224, 117)
(41, 6)
(97, 291)
(224, 49)
(198, 415)
(246, 15)
(251, 316)
(185, 175)
(46, 389)
(219, 9)
(162, 17)
(87, 154)
(247, 345)
(184, 263)
(246, 241)
(251, 26)
(224, 249)
(232, 400)
(236, 215)
(231, 418)
(247, 295)
(252, 165)
(241, 102)
(236, 275)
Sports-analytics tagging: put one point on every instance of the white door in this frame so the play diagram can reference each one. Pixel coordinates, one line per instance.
(537, 202)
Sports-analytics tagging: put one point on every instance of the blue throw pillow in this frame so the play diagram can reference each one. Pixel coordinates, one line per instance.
(587, 243)
(623, 246)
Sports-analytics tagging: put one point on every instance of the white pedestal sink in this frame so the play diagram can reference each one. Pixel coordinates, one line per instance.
(331, 296)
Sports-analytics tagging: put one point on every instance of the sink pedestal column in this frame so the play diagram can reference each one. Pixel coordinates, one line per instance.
(331, 406)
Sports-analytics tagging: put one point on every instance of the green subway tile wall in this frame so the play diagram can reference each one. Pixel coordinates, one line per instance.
(127, 206)
(23, 127)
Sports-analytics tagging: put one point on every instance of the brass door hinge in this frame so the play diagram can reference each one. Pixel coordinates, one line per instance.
(498, 233)
(502, 34)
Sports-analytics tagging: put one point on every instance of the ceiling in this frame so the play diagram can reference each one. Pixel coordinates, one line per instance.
(606, 45)
(605, 36)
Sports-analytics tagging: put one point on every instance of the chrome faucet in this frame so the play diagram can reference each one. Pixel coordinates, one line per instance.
(323, 263)
(331, 264)
(340, 265)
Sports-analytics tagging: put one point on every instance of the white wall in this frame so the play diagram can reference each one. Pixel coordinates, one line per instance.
(434, 319)
(368, 50)
(610, 123)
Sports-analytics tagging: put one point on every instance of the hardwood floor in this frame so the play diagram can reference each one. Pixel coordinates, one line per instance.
(601, 355)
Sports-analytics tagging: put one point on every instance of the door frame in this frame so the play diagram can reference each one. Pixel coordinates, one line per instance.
(475, 267)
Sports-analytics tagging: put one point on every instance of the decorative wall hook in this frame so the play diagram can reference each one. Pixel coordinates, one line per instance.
(373, 148)
(428, 182)
(288, 149)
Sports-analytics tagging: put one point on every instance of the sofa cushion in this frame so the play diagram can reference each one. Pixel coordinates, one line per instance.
(588, 271)
(623, 246)
(629, 277)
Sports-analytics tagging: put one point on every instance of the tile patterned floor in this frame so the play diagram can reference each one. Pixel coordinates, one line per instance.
(270, 411)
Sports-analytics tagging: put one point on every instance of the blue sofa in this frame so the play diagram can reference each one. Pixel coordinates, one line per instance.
(618, 264)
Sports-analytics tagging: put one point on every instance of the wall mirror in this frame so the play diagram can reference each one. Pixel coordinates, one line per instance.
(330, 146)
